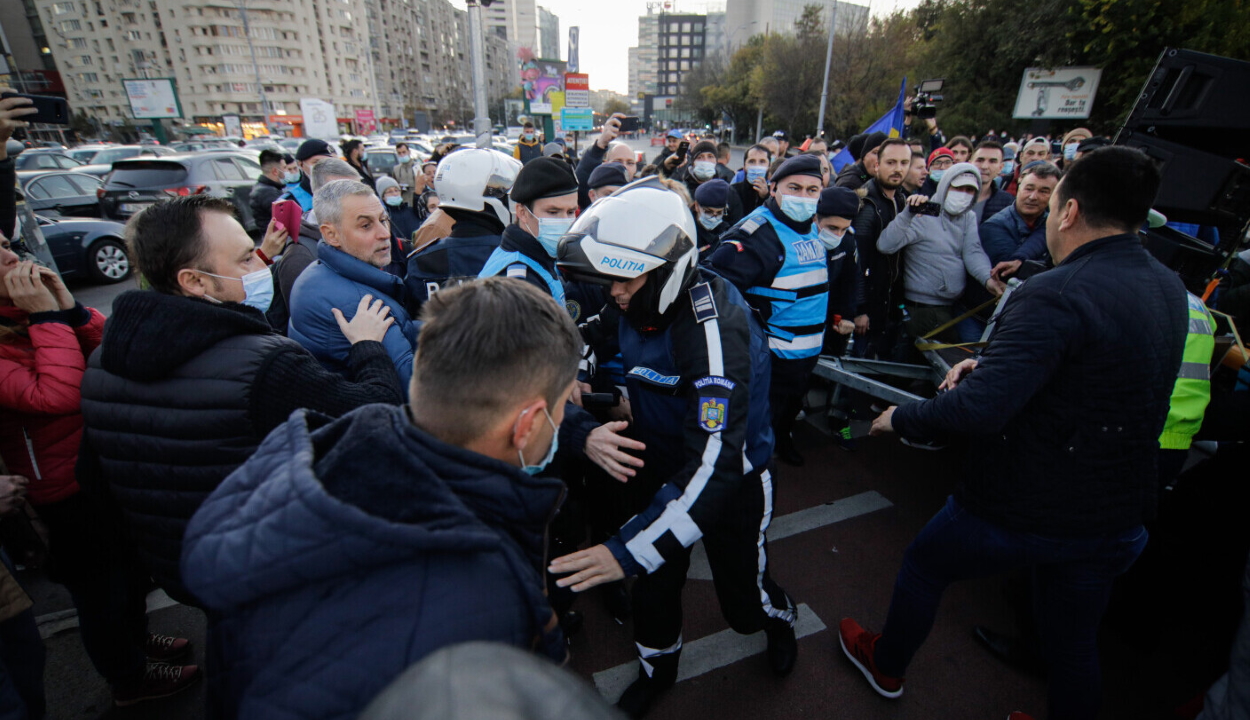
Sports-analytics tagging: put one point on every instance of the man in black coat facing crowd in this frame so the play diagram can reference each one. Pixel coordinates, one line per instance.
(1063, 414)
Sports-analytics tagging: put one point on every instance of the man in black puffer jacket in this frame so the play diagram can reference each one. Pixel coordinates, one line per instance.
(1063, 414)
(190, 378)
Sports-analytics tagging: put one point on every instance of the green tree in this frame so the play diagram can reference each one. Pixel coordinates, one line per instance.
(615, 105)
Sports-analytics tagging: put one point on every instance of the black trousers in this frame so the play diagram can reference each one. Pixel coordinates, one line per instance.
(737, 552)
(786, 390)
(91, 555)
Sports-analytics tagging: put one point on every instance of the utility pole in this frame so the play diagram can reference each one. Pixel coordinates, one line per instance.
(824, 88)
(477, 58)
(260, 86)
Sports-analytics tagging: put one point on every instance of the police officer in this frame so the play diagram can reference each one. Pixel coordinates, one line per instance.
(711, 201)
(697, 372)
(472, 187)
(605, 180)
(545, 199)
(775, 258)
(310, 153)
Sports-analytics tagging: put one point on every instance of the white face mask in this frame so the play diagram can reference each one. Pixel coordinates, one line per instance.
(957, 202)
(831, 239)
(704, 169)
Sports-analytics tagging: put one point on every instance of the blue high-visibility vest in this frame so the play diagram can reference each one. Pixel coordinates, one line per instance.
(798, 294)
(501, 260)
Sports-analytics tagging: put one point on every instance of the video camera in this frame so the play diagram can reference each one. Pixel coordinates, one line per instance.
(924, 104)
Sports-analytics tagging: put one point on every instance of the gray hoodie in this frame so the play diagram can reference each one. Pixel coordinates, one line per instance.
(942, 251)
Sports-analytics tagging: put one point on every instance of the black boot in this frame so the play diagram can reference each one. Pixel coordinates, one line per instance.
(638, 697)
(787, 453)
(783, 648)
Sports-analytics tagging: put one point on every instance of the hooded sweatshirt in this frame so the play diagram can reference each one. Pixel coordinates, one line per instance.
(342, 552)
(941, 251)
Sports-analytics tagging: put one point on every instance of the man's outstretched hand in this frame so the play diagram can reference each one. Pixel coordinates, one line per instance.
(590, 567)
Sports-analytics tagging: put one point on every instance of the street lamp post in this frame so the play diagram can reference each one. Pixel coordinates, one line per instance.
(477, 58)
(260, 85)
(824, 88)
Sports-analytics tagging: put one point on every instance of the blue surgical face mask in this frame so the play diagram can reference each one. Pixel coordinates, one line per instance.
(937, 175)
(291, 178)
(1069, 151)
(756, 173)
(830, 239)
(710, 222)
(404, 158)
(551, 452)
(704, 169)
(393, 200)
(550, 230)
(796, 208)
(1009, 166)
(257, 288)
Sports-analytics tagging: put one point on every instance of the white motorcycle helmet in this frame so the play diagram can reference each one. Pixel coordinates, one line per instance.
(477, 178)
(641, 228)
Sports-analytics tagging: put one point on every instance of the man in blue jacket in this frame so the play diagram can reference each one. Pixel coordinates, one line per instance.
(344, 551)
(1063, 413)
(1019, 232)
(355, 246)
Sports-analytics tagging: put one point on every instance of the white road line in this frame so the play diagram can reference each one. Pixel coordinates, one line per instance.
(62, 620)
(799, 522)
(706, 654)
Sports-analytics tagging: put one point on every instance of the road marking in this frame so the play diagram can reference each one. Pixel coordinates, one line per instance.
(799, 522)
(57, 622)
(706, 654)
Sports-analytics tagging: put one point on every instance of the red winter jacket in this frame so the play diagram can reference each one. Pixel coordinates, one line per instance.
(40, 415)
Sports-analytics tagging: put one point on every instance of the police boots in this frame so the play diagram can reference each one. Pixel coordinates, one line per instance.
(637, 698)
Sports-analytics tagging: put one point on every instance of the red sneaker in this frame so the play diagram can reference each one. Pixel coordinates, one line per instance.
(164, 648)
(858, 644)
(1017, 715)
(159, 680)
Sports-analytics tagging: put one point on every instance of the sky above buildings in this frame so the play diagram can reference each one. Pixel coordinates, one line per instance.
(609, 29)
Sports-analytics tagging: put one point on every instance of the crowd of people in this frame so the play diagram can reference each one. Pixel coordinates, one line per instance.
(454, 398)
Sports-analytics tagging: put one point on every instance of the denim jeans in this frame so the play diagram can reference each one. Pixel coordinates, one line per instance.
(1072, 579)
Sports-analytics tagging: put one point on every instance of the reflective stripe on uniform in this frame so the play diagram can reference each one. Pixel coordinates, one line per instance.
(1194, 371)
(802, 342)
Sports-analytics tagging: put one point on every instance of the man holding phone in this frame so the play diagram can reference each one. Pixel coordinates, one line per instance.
(606, 149)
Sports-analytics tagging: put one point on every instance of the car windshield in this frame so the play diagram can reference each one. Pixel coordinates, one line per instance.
(108, 157)
(85, 155)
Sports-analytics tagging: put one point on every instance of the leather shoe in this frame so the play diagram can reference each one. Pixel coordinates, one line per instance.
(638, 697)
(783, 648)
(1017, 653)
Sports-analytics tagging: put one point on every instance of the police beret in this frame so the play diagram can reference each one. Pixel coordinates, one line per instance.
(607, 174)
(798, 165)
(838, 202)
(313, 148)
(543, 177)
(712, 194)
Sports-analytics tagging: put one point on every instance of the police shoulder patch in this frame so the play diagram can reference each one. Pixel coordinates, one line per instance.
(713, 412)
(574, 309)
(715, 381)
(750, 225)
(517, 270)
(704, 303)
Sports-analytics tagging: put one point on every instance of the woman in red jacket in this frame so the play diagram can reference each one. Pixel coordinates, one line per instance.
(45, 339)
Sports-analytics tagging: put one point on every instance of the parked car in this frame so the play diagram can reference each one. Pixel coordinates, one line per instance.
(41, 159)
(103, 161)
(200, 145)
(61, 192)
(85, 153)
(381, 160)
(87, 248)
(135, 184)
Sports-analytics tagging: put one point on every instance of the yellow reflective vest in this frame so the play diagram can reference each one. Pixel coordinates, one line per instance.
(1193, 385)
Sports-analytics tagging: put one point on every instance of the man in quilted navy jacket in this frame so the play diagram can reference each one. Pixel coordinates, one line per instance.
(1063, 414)
(346, 550)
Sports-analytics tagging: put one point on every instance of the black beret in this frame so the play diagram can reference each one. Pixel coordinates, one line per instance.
(607, 174)
(314, 148)
(543, 177)
(838, 202)
(798, 165)
(713, 193)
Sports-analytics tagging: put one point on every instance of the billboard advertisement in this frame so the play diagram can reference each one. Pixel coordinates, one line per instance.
(1053, 94)
(152, 99)
(540, 78)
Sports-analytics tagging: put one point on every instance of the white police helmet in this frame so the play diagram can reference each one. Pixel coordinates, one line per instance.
(641, 228)
(477, 178)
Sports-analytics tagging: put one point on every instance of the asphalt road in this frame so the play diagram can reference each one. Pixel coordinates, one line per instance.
(841, 525)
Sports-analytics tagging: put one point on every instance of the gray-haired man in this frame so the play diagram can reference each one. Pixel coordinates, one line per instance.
(356, 244)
